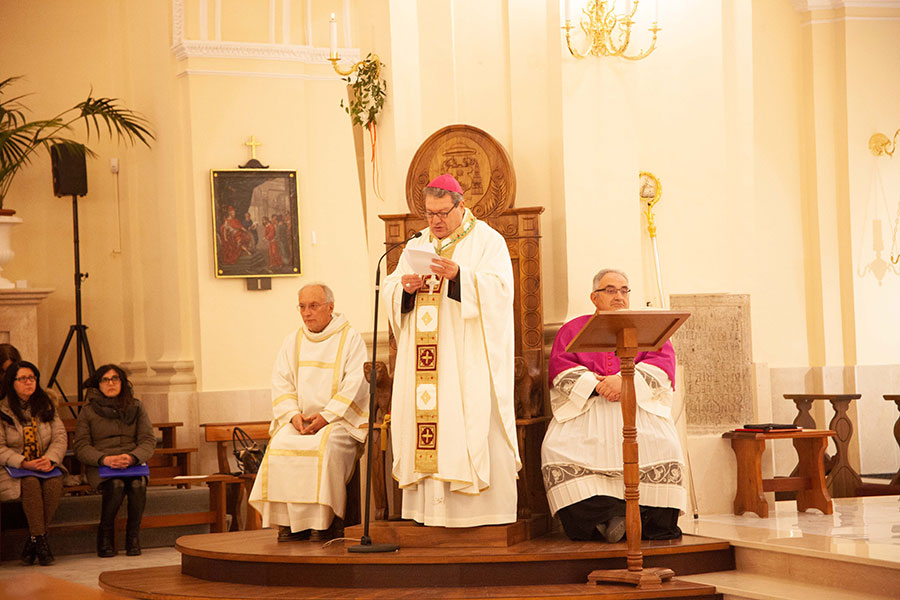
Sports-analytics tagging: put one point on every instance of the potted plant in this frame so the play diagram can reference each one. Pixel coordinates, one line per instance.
(20, 138)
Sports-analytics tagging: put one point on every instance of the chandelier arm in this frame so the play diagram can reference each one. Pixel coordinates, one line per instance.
(572, 50)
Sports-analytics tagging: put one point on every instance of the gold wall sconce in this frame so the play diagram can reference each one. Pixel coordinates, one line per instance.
(607, 28)
(881, 145)
(334, 58)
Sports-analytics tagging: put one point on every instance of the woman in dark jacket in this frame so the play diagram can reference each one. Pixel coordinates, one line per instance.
(33, 439)
(114, 431)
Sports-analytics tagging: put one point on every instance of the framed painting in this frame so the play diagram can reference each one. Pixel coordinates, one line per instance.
(256, 228)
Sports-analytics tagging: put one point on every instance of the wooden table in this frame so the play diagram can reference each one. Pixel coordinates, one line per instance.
(842, 479)
(748, 449)
(895, 398)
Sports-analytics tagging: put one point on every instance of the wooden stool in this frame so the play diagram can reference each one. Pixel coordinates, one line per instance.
(842, 479)
(748, 449)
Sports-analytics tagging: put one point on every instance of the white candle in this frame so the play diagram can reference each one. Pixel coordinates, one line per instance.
(332, 37)
(627, 7)
(656, 11)
(568, 10)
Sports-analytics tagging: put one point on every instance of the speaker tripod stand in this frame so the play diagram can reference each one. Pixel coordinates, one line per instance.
(83, 356)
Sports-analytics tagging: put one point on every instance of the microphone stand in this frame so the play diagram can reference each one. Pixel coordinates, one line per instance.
(365, 544)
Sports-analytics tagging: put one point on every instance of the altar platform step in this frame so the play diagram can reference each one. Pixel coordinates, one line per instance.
(252, 564)
(170, 583)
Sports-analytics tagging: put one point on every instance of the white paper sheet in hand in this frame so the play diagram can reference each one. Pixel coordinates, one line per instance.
(420, 260)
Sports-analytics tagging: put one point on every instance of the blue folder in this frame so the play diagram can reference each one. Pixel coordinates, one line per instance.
(132, 471)
(17, 473)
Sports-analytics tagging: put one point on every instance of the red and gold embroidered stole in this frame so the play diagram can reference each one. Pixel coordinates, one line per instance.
(428, 300)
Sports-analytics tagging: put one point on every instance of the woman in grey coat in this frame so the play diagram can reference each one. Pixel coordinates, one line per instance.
(32, 439)
(114, 431)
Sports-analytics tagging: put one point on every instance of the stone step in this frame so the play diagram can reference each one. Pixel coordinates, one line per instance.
(780, 573)
(73, 530)
(736, 585)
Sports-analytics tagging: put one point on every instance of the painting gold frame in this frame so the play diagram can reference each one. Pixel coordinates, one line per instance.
(256, 224)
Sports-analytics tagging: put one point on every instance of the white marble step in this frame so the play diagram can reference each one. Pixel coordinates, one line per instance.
(736, 585)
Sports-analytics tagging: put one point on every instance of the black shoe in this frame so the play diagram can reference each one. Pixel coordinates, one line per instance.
(44, 555)
(285, 534)
(133, 543)
(106, 542)
(29, 551)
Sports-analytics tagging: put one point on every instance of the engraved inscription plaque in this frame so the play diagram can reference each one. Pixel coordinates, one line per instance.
(713, 349)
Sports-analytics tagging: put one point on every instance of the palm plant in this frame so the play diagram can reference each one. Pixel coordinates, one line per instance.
(21, 138)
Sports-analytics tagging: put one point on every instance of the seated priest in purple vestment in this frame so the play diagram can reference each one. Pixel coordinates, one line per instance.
(581, 456)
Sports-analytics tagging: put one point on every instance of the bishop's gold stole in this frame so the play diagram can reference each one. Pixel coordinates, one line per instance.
(428, 301)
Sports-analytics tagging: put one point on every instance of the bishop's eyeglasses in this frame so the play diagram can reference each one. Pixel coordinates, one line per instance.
(611, 290)
(439, 215)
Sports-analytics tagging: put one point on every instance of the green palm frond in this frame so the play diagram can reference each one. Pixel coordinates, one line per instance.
(20, 138)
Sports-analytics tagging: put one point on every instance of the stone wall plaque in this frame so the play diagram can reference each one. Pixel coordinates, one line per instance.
(713, 349)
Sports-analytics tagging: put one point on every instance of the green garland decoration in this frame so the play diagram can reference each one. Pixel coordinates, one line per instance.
(369, 92)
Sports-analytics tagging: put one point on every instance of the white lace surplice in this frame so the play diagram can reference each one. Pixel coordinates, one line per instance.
(582, 452)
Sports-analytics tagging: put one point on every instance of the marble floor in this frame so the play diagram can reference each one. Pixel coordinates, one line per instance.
(863, 530)
(86, 568)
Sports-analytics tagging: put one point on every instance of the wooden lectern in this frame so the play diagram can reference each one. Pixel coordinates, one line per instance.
(627, 332)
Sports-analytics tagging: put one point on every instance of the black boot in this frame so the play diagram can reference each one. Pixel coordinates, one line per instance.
(137, 499)
(113, 491)
(29, 551)
(44, 556)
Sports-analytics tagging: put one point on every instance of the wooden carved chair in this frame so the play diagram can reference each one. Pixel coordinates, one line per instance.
(483, 168)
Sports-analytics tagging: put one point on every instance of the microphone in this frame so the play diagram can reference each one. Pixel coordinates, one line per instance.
(365, 545)
(378, 267)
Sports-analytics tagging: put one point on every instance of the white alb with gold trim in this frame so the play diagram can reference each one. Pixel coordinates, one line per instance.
(302, 480)
(477, 454)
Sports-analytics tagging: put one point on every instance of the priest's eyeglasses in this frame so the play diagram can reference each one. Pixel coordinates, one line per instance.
(313, 306)
(113, 379)
(612, 290)
(439, 215)
(26, 379)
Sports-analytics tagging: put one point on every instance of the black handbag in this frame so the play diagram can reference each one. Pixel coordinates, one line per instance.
(247, 453)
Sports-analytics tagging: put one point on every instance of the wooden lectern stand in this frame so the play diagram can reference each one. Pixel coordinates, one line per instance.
(627, 332)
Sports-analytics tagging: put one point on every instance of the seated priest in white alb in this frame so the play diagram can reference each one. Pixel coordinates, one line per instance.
(320, 416)
(582, 452)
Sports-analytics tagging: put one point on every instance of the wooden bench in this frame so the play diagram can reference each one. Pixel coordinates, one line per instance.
(748, 449)
(221, 434)
(215, 517)
(167, 460)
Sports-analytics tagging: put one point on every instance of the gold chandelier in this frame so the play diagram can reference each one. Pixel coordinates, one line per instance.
(608, 33)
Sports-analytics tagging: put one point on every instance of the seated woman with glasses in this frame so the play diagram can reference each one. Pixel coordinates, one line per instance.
(112, 437)
(581, 457)
(32, 445)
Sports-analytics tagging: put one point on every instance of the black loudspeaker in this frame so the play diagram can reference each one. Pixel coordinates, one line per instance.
(69, 171)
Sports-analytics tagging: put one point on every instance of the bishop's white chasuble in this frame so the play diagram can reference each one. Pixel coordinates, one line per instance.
(453, 427)
(302, 479)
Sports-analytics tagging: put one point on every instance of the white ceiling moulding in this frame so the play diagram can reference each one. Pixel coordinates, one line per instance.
(257, 74)
(183, 48)
(810, 5)
(304, 54)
